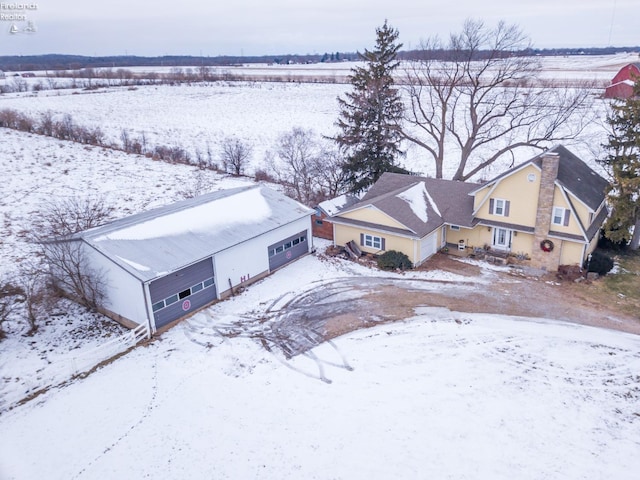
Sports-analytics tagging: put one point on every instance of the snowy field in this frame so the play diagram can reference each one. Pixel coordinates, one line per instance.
(440, 395)
(198, 117)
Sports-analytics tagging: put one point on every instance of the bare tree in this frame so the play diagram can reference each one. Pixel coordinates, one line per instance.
(235, 154)
(479, 97)
(65, 255)
(309, 168)
(72, 273)
(331, 177)
(33, 281)
(10, 296)
(296, 170)
(198, 186)
(72, 215)
(46, 125)
(125, 137)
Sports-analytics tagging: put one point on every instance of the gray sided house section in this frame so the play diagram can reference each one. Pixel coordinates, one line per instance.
(166, 263)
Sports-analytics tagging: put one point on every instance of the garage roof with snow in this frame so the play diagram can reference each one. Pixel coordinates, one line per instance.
(151, 244)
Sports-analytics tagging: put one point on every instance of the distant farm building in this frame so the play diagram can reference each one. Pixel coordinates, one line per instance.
(622, 84)
(164, 264)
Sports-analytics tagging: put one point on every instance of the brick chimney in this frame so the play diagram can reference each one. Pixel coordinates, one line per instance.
(548, 176)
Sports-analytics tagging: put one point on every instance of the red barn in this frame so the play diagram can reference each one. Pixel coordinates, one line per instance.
(622, 84)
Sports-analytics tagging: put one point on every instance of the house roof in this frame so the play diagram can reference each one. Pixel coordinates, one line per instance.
(573, 174)
(151, 244)
(578, 178)
(420, 204)
(334, 205)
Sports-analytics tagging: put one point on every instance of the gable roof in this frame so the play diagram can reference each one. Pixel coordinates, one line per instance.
(578, 178)
(159, 241)
(334, 205)
(421, 204)
(625, 72)
(573, 174)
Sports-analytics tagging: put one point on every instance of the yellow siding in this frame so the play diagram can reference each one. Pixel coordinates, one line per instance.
(372, 215)
(571, 253)
(480, 196)
(573, 227)
(344, 234)
(521, 193)
(522, 243)
(592, 246)
(582, 210)
(481, 236)
(472, 237)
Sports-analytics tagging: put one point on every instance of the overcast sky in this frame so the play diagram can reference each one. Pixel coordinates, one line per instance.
(271, 27)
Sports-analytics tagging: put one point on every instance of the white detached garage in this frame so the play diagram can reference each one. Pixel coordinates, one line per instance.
(161, 265)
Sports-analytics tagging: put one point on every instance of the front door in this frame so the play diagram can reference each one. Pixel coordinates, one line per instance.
(502, 238)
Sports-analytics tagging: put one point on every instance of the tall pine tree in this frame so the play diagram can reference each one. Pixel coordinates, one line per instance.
(370, 115)
(623, 164)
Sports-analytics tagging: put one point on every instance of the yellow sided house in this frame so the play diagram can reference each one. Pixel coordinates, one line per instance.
(548, 209)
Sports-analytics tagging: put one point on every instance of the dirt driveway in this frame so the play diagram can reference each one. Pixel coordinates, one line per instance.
(295, 323)
(545, 296)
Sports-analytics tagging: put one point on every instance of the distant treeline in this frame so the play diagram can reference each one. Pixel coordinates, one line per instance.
(76, 62)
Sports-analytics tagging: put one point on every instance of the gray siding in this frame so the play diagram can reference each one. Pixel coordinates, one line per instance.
(288, 250)
(189, 282)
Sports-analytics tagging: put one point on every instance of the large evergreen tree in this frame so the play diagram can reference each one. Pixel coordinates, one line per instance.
(371, 113)
(623, 164)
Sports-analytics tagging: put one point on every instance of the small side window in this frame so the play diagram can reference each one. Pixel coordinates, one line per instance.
(159, 305)
(172, 299)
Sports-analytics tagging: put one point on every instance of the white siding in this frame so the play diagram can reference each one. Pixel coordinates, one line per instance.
(251, 258)
(124, 293)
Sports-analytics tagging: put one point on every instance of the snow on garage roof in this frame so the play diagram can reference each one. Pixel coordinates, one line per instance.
(334, 205)
(165, 239)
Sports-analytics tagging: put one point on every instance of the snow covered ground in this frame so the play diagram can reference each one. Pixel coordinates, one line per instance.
(198, 117)
(440, 395)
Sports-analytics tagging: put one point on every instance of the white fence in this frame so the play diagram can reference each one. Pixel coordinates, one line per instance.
(89, 359)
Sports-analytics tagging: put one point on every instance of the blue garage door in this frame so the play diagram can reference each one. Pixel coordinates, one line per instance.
(181, 292)
(287, 250)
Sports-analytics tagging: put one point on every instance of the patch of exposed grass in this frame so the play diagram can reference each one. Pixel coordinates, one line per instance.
(623, 287)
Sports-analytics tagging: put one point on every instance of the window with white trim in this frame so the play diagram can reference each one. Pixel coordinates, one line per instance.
(454, 227)
(499, 206)
(372, 241)
(560, 216)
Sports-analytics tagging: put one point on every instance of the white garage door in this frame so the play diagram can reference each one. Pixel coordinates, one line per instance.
(428, 246)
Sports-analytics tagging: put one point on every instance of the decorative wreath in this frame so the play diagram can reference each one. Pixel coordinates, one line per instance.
(546, 245)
